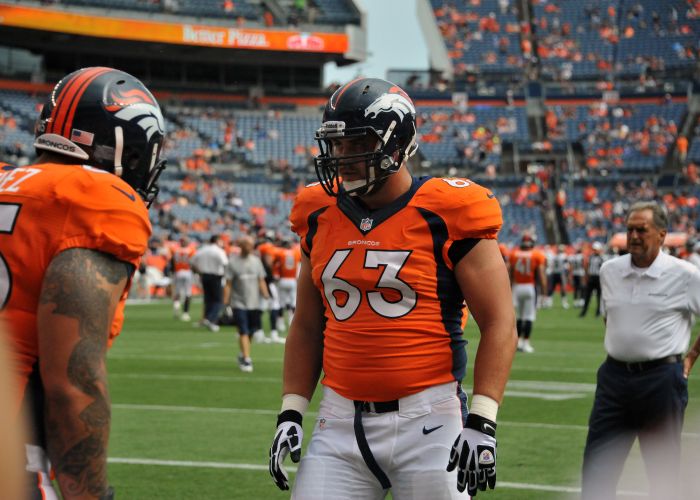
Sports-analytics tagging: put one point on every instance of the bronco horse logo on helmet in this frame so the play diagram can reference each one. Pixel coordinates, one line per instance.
(386, 103)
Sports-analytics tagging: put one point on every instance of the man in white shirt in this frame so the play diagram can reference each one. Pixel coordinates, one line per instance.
(648, 299)
(210, 262)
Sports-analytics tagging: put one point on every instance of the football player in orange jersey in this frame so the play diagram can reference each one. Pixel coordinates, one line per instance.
(388, 262)
(286, 261)
(526, 268)
(73, 227)
(181, 264)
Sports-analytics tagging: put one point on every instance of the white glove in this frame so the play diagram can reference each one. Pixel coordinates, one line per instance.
(287, 441)
(474, 455)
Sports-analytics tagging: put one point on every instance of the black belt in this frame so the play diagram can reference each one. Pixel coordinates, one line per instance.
(378, 406)
(365, 451)
(640, 366)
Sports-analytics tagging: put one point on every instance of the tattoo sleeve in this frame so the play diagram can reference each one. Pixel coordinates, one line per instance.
(80, 293)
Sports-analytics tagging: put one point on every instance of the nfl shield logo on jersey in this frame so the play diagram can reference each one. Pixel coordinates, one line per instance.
(366, 224)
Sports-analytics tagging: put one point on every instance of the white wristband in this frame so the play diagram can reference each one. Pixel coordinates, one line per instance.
(484, 406)
(294, 402)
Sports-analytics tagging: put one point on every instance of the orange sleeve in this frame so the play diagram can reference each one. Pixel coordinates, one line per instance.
(104, 214)
(470, 210)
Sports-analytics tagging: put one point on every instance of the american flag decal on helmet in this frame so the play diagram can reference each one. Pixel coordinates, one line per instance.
(82, 137)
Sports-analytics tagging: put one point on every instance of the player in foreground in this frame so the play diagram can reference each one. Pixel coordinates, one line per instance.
(388, 262)
(72, 229)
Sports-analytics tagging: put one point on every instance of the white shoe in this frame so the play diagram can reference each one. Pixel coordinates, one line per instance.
(212, 327)
(276, 339)
(185, 317)
(565, 304)
(245, 364)
(520, 344)
(527, 348)
(260, 338)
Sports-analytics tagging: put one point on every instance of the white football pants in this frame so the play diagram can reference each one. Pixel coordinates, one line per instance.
(183, 284)
(287, 292)
(524, 301)
(412, 446)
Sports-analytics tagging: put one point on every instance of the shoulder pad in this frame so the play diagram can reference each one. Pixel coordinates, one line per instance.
(469, 210)
(106, 214)
(309, 200)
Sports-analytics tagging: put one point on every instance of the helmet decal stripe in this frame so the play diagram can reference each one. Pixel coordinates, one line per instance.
(67, 98)
(58, 103)
(84, 84)
(335, 98)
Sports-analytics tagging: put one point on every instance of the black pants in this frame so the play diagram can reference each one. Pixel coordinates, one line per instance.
(213, 296)
(648, 405)
(578, 287)
(554, 280)
(593, 284)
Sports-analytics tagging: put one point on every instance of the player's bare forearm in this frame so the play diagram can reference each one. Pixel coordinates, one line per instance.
(303, 351)
(493, 360)
(80, 293)
(485, 284)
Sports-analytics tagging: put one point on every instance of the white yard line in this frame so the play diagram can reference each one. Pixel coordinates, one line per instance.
(278, 360)
(256, 467)
(549, 391)
(257, 411)
(198, 378)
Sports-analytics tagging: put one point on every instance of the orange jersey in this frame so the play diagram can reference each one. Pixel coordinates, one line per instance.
(524, 264)
(393, 308)
(267, 251)
(182, 258)
(286, 263)
(46, 209)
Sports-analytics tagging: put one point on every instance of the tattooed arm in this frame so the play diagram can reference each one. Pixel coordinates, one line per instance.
(80, 293)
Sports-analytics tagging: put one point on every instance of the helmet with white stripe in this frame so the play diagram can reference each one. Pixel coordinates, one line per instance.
(107, 119)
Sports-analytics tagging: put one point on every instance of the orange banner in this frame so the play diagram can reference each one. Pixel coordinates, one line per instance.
(173, 33)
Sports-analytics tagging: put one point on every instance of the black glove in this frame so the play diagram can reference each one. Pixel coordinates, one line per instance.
(287, 441)
(474, 455)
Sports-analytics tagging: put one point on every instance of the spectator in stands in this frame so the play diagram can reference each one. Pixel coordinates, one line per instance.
(210, 262)
(691, 173)
(682, 148)
(245, 290)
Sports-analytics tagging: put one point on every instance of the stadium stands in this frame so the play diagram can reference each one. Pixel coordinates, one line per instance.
(481, 38)
(596, 45)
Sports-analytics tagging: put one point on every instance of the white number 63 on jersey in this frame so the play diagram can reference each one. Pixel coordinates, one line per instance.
(392, 261)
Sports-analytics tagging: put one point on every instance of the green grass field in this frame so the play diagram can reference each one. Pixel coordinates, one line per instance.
(187, 424)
